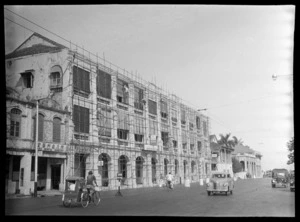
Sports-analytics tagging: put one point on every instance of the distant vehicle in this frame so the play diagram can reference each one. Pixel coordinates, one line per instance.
(292, 181)
(220, 183)
(280, 177)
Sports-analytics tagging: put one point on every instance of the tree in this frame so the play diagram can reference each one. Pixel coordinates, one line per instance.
(290, 146)
(237, 141)
(225, 141)
(236, 165)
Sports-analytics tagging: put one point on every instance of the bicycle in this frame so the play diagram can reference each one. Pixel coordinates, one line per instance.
(87, 197)
(169, 186)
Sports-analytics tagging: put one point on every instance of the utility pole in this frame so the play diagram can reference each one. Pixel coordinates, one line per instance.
(36, 148)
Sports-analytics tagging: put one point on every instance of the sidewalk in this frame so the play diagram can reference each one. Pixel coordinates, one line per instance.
(39, 194)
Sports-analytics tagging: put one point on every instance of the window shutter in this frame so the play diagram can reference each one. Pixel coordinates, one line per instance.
(41, 127)
(76, 118)
(56, 129)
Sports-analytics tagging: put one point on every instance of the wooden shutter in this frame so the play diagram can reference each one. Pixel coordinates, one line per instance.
(56, 129)
(41, 127)
(76, 118)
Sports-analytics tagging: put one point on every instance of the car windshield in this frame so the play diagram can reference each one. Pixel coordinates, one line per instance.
(220, 175)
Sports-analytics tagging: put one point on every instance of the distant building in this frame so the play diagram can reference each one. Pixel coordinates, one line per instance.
(221, 159)
(250, 160)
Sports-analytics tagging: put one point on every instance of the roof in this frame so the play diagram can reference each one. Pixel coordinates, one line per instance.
(214, 147)
(242, 149)
(35, 48)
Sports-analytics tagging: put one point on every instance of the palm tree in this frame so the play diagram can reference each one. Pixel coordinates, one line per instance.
(225, 141)
(237, 141)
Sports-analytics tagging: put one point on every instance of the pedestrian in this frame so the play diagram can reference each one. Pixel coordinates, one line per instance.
(169, 178)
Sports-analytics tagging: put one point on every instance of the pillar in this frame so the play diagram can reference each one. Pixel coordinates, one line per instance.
(25, 164)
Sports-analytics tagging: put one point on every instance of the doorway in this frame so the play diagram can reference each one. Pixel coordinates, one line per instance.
(55, 176)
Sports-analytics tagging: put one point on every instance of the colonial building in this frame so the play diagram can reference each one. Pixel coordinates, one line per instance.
(94, 116)
(250, 160)
(221, 159)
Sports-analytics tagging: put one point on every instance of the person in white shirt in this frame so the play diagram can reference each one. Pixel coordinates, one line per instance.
(169, 179)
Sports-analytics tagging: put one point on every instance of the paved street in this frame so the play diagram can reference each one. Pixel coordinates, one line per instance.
(252, 197)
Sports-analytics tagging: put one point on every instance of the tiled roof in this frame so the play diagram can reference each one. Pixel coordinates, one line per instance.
(242, 149)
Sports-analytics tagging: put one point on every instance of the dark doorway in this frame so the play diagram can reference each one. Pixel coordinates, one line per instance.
(153, 164)
(123, 168)
(139, 170)
(55, 176)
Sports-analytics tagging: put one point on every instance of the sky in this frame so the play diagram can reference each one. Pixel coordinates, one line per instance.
(215, 57)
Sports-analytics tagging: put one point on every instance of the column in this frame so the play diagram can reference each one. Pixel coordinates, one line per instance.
(25, 164)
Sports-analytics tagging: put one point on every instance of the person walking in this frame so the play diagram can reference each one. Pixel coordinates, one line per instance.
(169, 180)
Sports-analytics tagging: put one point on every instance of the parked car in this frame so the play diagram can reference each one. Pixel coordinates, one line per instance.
(280, 177)
(220, 183)
(292, 181)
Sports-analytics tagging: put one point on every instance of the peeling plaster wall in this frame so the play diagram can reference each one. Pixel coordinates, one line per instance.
(41, 65)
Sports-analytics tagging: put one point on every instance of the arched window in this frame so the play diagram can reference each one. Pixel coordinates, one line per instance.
(176, 167)
(139, 170)
(56, 129)
(193, 166)
(166, 166)
(40, 127)
(15, 122)
(104, 169)
(55, 77)
(123, 168)
(153, 164)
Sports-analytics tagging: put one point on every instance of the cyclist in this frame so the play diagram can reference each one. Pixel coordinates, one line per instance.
(90, 180)
(169, 180)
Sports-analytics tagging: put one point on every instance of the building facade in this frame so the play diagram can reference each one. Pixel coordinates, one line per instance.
(250, 160)
(93, 116)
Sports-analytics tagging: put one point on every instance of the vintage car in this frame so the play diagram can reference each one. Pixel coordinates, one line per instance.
(292, 181)
(220, 183)
(280, 177)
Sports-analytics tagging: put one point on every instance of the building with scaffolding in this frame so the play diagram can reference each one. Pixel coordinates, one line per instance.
(95, 116)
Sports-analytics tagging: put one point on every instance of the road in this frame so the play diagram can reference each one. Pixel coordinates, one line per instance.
(251, 197)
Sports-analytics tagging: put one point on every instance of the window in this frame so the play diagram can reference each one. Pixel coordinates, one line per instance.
(81, 79)
(198, 122)
(56, 129)
(153, 126)
(184, 140)
(165, 137)
(123, 125)
(174, 115)
(139, 128)
(122, 134)
(199, 146)
(138, 98)
(55, 77)
(81, 119)
(204, 129)
(103, 84)
(104, 122)
(122, 91)
(27, 78)
(175, 137)
(192, 148)
(183, 120)
(191, 126)
(152, 107)
(40, 127)
(163, 109)
(15, 122)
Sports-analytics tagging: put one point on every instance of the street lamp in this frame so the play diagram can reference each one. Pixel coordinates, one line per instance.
(274, 76)
(36, 149)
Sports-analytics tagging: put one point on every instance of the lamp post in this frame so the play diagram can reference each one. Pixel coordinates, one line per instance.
(274, 76)
(36, 149)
